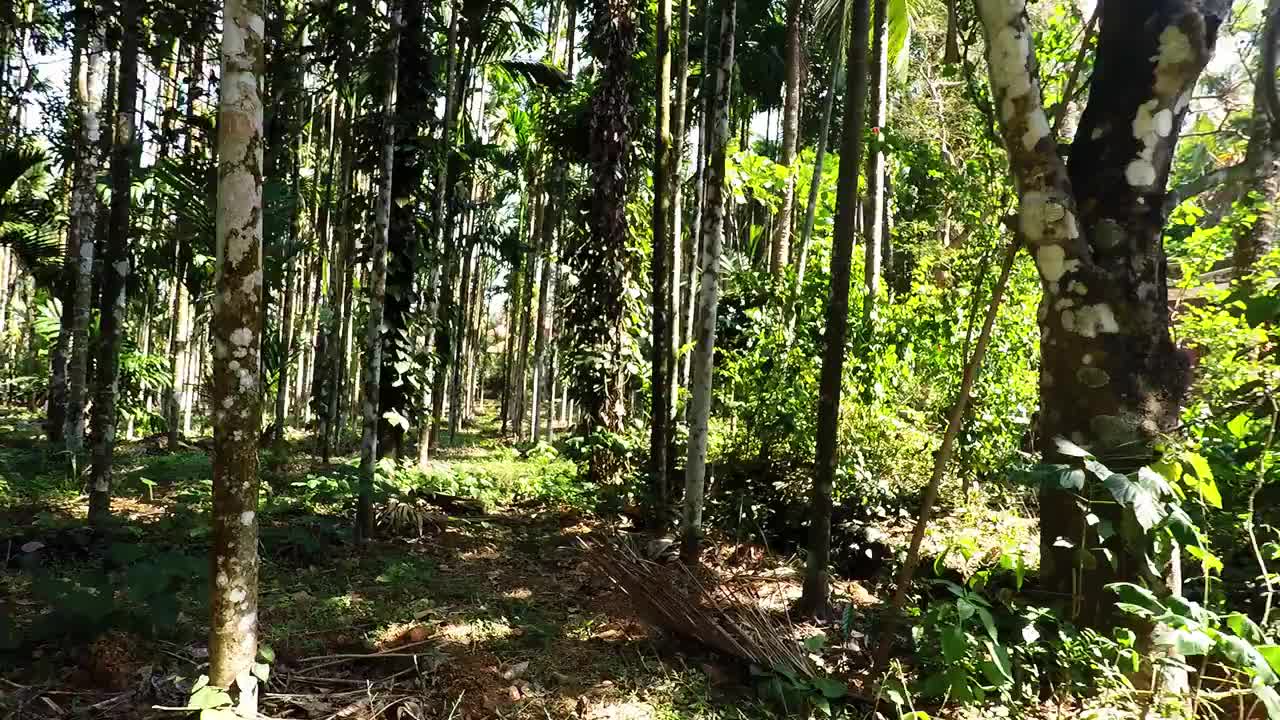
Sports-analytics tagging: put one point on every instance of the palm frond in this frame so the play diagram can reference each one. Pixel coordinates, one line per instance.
(536, 73)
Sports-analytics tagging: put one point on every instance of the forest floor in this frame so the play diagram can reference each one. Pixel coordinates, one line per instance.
(499, 613)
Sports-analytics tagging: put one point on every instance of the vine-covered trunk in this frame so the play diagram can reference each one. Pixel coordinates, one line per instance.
(414, 107)
(377, 285)
(814, 598)
(1111, 378)
(237, 345)
(597, 310)
(780, 246)
(708, 291)
(80, 231)
(115, 270)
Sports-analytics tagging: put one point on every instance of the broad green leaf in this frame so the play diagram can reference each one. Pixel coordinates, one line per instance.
(1000, 658)
(1246, 657)
(1272, 654)
(814, 643)
(1139, 596)
(209, 697)
(1208, 560)
(1245, 627)
(831, 688)
(1067, 448)
(1239, 425)
(1185, 642)
(1269, 698)
(954, 643)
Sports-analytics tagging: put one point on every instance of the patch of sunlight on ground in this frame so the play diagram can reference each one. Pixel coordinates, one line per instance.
(521, 593)
(466, 633)
(625, 710)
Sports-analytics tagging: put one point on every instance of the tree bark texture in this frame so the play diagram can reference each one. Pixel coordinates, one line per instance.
(708, 292)
(875, 156)
(814, 598)
(780, 247)
(377, 288)
(81, 225)
(237, 345)
(115, 274)
(1111, 378)
(660, 378)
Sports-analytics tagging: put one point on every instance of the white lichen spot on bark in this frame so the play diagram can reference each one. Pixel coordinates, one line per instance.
(252, 282)
(1092, 320)
(236, 596)
(1172, 59)
(246, 518)
(221, 579)
(1008, 61)
(248, 621)
(242, 336)
(1068, 320)
(1140, 173)
(1037, 130)
(122, 267)
(1087, 359)
(1050, 260)
(1000, 12)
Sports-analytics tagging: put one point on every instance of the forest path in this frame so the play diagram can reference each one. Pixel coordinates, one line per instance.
(497, 615)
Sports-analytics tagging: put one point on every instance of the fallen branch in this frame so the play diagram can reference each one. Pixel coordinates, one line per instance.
(954, 422)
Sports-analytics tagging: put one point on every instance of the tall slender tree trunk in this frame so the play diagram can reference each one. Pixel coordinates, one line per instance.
(708, 293)
(875, 156)
(373, 334)
(546, 307)
(660, 379)
(819, 159)
(81, 226)
(780, 248)
(814, 598)
(679, 247)
(706, 97)
(237, 343)
(1262, 158)
(116, 266)
(457, 76)
(532, 277)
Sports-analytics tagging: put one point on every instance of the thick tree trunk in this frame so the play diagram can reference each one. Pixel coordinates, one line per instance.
(708, 292)
(81, 225)
(115, 274)
(237, 342)
(814, 598)
(780, 247)
(875, 156)
(1111, 378)
(377, 287)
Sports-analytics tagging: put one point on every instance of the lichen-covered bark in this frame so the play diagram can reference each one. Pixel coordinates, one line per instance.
(377, 286)
(80, 237)
(814, 598)
(695, 473)
(780, 248)
(115, 271)
(237, 343)
(1111, 378)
